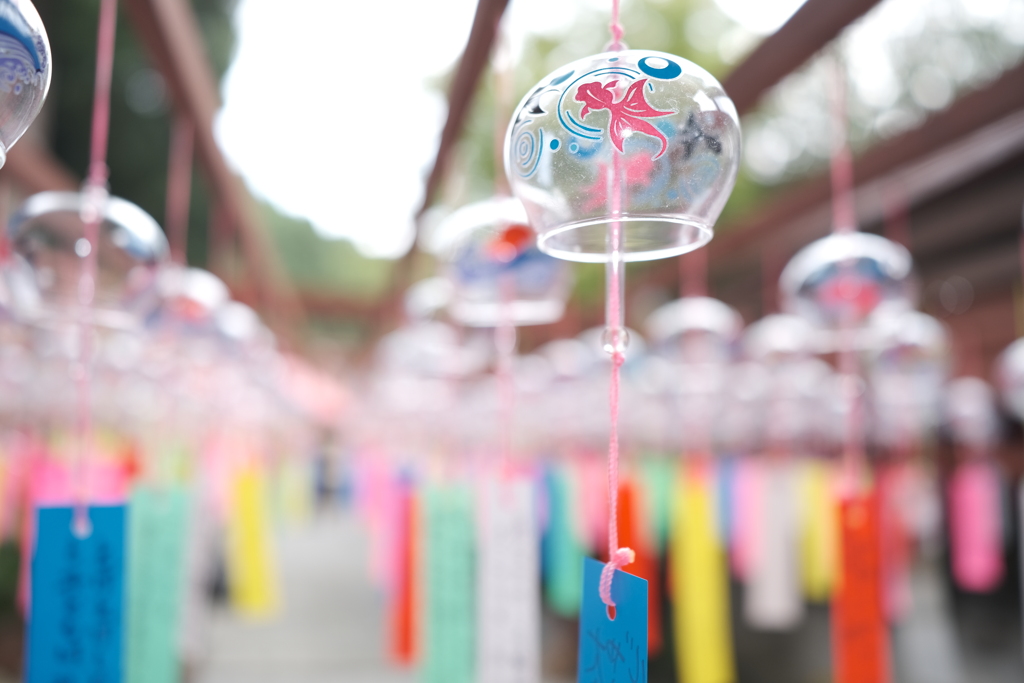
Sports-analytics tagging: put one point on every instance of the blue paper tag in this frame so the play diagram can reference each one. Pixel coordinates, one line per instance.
(612, 651)
(74, 633)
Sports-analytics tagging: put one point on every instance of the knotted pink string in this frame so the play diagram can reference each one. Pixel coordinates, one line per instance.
(96, 195)
(616, 28)
(844, 215)
(617, 557)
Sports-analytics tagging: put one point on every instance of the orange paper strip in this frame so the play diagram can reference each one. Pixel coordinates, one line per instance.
(860, 638)
(404, 599)
(632, 535)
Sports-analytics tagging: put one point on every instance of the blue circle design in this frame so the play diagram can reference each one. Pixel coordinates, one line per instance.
(528, 150)
(666, 73)
(613, 59)
(574, 148)
(559, 80)
(554, 144)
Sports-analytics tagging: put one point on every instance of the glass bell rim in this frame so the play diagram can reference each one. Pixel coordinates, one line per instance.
(670, 249)
(456, 231)
(198, 285)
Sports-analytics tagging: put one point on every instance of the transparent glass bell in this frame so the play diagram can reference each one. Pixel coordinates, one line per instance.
(644, 138)
(1010, 377)
(971, 412)
(426, 298)
(242, 329)
(739, 425)
(791, 408)
(907, 362)
(910, 343)
(48, 231)
(569, 358)
(779, 339)
(432, 349)
(190, 299)
(838, 281)
(695, 330)
(24, 70)
(498, 275)
(19, 294)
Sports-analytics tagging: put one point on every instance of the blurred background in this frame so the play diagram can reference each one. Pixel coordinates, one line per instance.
(321, 145)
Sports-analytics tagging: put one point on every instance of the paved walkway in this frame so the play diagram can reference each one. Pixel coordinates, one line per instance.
(331, 628)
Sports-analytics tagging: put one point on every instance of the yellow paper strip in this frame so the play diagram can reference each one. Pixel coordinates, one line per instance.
(700, 586)
(819, 544)
(251, 572)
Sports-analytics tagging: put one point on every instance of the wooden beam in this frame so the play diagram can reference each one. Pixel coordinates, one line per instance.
(976, 132)
(813, 27)
(169, 31)
(460, 96)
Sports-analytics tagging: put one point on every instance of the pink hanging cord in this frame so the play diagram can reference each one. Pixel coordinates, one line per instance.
(92, 212)
(505, 344)
(844, 220)
(179, 187)
(615, 27)
(844, 216)
(101, 95)
(617, 557)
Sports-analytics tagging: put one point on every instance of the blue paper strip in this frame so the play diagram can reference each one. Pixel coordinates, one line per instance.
(75, 625)
(612, 651)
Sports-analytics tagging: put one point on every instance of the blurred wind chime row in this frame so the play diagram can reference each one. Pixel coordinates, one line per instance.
(147, 418)
(668, 500)
(773, 477)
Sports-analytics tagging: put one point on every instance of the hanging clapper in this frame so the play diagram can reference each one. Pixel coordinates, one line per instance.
(615, 340)
(613, 617)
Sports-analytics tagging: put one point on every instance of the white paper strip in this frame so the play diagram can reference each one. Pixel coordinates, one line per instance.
(773, 600)
(508, 584)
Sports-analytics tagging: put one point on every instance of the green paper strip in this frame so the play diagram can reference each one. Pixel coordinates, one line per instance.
(450, 570)
(564, 550)
(659, 474)
(158, 526)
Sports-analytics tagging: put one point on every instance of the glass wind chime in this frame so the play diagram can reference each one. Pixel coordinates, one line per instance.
(628, 155)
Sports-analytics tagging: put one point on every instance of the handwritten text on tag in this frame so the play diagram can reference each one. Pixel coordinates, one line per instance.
(77, 593)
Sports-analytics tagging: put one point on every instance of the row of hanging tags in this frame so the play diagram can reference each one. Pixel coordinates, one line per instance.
(770, 524)
(129, 599)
